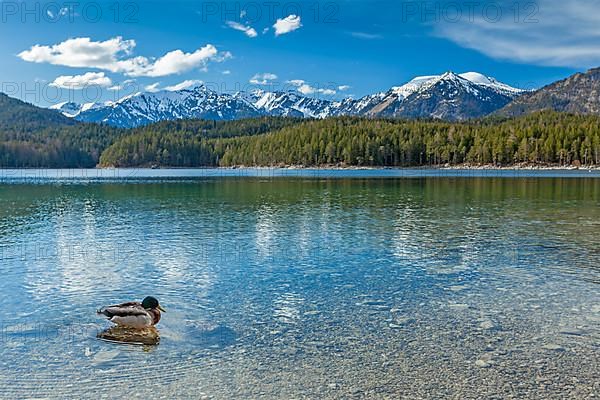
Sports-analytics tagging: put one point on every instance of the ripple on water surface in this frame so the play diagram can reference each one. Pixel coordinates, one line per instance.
(320, 289)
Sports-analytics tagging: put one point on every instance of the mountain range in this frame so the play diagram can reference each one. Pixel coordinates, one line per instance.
(452, 97)
(36, 137)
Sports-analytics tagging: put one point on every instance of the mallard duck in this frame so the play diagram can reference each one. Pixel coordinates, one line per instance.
(134, 314)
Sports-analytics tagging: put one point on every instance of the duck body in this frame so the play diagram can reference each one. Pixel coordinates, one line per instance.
(133, 314)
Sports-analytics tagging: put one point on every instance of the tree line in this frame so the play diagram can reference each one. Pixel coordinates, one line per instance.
(541, 138)
(33, 140)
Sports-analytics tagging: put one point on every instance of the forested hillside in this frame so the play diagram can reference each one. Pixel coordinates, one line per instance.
(76, 146)
(16, 115)
(542, 138)
(34, 137)
(80, 145)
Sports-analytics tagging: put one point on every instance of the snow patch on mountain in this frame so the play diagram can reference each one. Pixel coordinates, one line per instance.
(448, 96)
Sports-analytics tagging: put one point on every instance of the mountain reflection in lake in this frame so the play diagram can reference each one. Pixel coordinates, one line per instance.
(305, 288)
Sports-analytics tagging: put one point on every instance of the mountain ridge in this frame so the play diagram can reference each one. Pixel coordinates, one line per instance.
(577, 94)
(457, 97)
(18, 115)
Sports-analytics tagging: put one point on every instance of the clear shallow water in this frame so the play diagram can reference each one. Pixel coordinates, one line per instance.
(305, 288)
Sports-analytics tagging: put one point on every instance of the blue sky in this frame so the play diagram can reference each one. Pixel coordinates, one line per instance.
(85, 51)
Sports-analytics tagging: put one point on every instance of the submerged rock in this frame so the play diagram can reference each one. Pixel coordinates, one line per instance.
(487, 325)
(484, 361)
(458, 306)
(572, 331)
(146, 336)
(105, 356)
(553, 347)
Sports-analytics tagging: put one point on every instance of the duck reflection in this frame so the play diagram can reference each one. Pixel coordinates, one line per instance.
(120, 334)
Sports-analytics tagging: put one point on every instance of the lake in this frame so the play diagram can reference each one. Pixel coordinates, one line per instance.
(322, 284)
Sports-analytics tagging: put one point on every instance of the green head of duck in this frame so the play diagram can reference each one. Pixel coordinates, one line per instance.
(151, 303)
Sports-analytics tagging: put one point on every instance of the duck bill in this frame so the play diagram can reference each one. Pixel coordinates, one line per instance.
(162, 309)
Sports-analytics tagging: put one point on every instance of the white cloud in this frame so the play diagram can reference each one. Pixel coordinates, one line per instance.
(129, 83)
(296, 82)
(263, 79)
(183, 85)
(152, 88)
(177, 61)
(81, 52)
(558, 33)
(248, 30)
(60, 13)
(328, 92)
(306, 89)
(287, 25)
(115, 55)
(366, 36)
(226, 72)
(343, 88)
(82, 81)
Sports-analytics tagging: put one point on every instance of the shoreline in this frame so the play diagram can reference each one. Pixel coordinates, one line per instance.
(446, 167)
(485, 167)
(489, 167)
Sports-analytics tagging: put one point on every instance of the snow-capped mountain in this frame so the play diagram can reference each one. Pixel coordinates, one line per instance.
(448, 96)
(288, 104)
(72, 110)
(145, 108)
(67, 108)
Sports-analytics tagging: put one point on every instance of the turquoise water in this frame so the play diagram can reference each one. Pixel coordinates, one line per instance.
(428, 287)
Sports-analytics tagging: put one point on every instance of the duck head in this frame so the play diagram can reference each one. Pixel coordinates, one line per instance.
(151, 303)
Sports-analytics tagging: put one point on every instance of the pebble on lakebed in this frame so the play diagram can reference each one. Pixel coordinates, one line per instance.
(146, 336)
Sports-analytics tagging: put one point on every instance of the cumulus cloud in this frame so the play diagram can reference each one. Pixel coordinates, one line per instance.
(287, 25)
(184, 85)
(177, 61)
(558, 33)
(81, 52)
(343, 88)
(306, 89)
(263, 79)
(78, 82)
(248, 30)
(115, 55)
